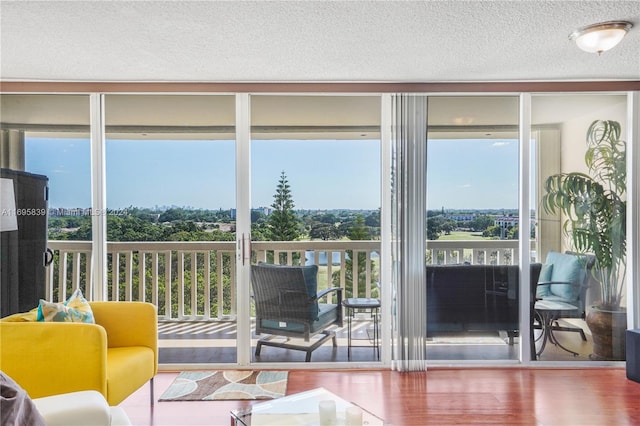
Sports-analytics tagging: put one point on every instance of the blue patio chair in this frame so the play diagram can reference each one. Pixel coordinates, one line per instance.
(287, 304)
(565, 277)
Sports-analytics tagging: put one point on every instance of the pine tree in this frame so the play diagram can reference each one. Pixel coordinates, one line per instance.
(283, 225)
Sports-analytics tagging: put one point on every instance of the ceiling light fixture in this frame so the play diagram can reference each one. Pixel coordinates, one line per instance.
(598, 38)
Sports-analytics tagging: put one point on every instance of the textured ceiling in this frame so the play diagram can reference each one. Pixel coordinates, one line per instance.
(310, 41)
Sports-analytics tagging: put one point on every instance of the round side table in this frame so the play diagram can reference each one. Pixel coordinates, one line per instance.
(548, 312)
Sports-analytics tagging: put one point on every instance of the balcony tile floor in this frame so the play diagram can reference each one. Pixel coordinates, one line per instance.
(211, 342)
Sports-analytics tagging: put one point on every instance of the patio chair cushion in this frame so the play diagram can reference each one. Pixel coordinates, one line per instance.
(545, 272)
(567, 270)
(328, 313)
(310, 274)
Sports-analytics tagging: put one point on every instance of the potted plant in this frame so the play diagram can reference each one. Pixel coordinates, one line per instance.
(594, 208)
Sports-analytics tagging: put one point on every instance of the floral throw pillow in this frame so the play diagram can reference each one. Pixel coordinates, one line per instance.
(75, 309)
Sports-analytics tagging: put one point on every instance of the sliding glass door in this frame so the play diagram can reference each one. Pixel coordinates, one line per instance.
(183, 173)
(315, 200)
(38, 139)
(472, 226)
(170, 182)
(579, 173)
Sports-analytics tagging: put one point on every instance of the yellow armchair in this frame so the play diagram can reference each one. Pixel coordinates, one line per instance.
(115, 356)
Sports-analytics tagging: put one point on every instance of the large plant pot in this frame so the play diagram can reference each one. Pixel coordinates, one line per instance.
(608, 329)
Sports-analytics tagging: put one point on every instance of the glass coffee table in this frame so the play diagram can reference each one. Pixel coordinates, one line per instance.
(299, 409)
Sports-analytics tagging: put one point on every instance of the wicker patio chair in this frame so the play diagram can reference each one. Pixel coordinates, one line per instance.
(286, 302)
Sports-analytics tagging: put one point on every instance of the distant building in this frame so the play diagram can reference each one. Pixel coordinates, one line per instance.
(264, 210)
(461, 217)
(506, 221)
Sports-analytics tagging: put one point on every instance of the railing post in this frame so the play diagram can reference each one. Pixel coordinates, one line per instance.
(207, 284)
(234, 293)
(329, 269)
(88, 273)
(62, 278)
(115, 276)
(194, 284)
(142, 275)
(367, 273)
(168, 282)
(220, 282)
(155, 282)
(181, 285)
(49, 282)
(75, 280)
(343, 275)
(128, 275)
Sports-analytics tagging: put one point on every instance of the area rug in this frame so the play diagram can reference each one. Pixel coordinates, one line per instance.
(226, 385)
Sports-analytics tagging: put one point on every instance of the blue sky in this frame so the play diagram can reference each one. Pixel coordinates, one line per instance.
(323, 174)
(472, 173)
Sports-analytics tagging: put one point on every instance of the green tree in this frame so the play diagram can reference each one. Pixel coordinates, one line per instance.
(325, 218)
(482, 222)
(283, 224)
(373, 219)
(323, 231)
(492, 231)
(359, 230)
(434, 227)
(448, 226)
(259, 231)
(257, 216)
(172, 215)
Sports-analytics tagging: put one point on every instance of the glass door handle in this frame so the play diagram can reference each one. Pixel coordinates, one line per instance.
(246, 247)
(48, 257)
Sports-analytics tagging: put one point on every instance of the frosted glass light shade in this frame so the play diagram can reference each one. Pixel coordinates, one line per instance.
(599, 38)
(8, 219)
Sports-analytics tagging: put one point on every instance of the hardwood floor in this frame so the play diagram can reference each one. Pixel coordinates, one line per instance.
(440, 396)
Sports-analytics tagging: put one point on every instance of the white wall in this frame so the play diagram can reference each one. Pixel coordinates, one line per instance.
(573, 131)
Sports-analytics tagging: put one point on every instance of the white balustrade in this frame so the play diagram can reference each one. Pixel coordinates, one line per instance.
(202, 273)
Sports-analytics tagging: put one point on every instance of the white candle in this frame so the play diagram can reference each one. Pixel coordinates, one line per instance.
(354, 416)
(327, 412)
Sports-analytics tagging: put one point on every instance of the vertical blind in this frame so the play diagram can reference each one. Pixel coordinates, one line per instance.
(409, 168)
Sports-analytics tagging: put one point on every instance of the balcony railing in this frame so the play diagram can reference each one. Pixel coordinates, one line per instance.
(195, 280)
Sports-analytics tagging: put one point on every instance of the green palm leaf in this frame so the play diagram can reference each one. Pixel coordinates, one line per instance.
(594, 206)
